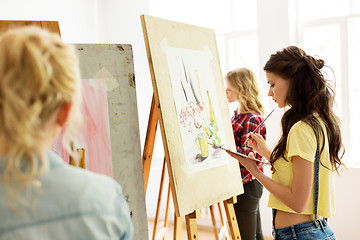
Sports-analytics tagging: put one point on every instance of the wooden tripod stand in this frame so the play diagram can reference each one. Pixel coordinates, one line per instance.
(190, 219)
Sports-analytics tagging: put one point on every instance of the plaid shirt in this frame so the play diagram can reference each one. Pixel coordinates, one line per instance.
(242, 125)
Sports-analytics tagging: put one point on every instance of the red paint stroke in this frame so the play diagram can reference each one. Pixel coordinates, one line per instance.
(94, 134)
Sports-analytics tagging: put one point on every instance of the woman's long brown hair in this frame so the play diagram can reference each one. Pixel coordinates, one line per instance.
(309, 92)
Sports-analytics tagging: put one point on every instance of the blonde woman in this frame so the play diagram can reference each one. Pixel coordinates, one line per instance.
(41, 197)
(241, 86)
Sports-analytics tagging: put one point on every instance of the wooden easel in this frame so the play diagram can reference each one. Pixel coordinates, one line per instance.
(51, 26)
(218, 232)
(190, 219)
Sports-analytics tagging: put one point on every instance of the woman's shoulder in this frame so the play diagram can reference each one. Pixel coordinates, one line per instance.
(305, 124)
(301, 125)
(77, 178)
(301, 128)
(70, 193)
(254, 117)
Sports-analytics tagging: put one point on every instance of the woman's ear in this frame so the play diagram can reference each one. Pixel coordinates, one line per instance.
(63, 113)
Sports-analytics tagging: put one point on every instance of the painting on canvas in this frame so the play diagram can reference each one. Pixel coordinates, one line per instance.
(197, 107)
(190, 97)
(93, 134)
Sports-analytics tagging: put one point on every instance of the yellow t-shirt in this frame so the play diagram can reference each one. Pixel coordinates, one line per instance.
(302, 142)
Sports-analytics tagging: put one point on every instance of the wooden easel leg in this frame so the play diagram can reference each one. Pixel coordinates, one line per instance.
(159, 200)
(213, 220)
(166, 212)
(222, 223)
(191, 227)
(231, 217)
(150, 141)
(177, 227)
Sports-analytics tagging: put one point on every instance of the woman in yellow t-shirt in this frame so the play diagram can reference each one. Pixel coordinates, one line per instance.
(309, 151)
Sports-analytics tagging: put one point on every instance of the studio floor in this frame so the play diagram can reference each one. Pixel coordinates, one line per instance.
(204, 232)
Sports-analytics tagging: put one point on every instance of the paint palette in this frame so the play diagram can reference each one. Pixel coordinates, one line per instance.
(239, 154)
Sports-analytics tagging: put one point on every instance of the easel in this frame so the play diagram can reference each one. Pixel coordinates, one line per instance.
(51, 26)
(178, 221)
(190, 219)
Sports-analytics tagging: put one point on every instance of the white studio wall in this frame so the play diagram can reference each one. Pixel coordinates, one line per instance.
(76, 18)
(119, 22)
(273, 34)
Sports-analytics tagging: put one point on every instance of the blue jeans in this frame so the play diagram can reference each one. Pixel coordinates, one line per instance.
(307, 230)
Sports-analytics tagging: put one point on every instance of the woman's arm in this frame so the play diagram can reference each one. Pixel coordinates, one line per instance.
(295, 197)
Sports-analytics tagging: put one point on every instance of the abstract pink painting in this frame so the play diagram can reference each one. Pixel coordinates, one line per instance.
(94, 133)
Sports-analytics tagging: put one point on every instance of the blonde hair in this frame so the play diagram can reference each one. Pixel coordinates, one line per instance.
(243, 82)
(38, 74)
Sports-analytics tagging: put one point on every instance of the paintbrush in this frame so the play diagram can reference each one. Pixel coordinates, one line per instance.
(257, 128)
(239, 154)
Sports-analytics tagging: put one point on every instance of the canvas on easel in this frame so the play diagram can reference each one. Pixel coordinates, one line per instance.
(111, 67)
(190, 96)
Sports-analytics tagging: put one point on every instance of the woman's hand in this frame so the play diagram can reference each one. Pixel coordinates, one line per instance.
(249, 164)
(257, 143)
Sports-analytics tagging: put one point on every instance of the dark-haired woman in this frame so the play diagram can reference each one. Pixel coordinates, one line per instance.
(309, 151)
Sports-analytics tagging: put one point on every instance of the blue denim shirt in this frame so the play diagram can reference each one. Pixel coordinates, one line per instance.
(73, 204)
